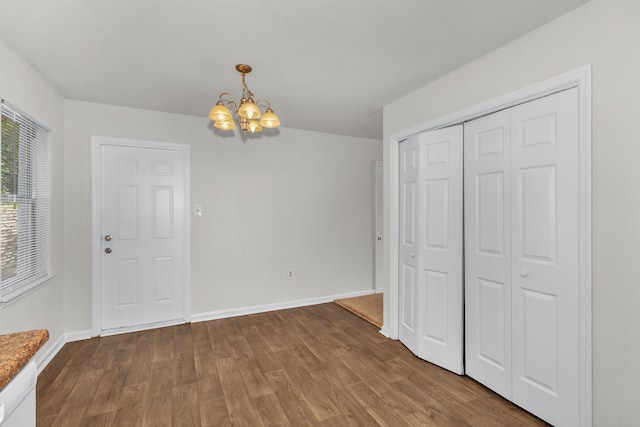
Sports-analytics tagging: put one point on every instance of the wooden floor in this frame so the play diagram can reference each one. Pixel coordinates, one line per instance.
(311, 366)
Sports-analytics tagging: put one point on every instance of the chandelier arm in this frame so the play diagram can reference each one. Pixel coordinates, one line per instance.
(232, 102)
(265, 101)
(223, 94)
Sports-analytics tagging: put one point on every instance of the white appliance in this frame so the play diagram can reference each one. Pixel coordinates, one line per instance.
(18, 399)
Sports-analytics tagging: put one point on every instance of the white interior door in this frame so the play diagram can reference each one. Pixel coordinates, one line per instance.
(440, 289)
(545, 257)
(408, 279)
(487, 169)
(431, 297)
(143, 229)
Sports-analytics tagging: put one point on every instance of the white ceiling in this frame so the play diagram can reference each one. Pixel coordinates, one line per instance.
(328, 66)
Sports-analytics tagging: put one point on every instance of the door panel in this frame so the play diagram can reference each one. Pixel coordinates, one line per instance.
(544, 274)
(540, 341)
(408, 243)
(487, 251)
(440, 259)
(142, 211)
(436, 213)
(491, 323)
(538, 213)
(162, 215)
(490, 213)
(435, 306)
(127, 202)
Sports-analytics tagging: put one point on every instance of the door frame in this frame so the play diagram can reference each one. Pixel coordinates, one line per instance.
(579, 78)
(97, 142)
(378, 226)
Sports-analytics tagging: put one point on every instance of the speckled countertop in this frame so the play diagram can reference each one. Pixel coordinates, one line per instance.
(16, 350)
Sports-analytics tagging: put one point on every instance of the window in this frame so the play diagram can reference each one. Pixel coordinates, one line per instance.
(26, 205)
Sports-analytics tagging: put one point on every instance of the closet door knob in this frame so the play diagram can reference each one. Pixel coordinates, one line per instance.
(413, 255)
(524, 273)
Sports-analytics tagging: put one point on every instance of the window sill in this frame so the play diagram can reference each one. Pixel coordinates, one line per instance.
(7, 300)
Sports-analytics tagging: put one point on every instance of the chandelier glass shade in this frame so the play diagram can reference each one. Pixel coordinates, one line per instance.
(247, 114)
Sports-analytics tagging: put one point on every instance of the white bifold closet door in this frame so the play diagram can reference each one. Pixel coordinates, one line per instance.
(488, 251)
(521, 255)
(431, 248)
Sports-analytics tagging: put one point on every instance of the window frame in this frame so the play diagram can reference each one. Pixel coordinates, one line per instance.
(31, 195)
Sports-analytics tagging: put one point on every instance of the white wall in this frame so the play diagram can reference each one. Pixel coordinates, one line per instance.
(604, 33)
(23, 87)
(301, 200)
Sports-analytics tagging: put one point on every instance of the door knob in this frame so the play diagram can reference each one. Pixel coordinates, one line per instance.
(107, 251)
(108, 237)
(524, 273)
(413, 255)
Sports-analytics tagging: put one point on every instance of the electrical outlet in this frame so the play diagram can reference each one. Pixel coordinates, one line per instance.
(290, 274)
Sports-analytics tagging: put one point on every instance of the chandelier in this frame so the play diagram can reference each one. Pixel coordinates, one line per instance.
(247, 114)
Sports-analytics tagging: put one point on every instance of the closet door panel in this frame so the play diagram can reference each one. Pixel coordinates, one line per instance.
(487, 251)
(408, 280)
(441, 248)
(545, 248)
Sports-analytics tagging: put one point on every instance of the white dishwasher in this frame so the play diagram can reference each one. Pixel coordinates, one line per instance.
(18, 398)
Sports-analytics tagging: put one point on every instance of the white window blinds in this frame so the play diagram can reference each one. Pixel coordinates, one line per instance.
(26, 205)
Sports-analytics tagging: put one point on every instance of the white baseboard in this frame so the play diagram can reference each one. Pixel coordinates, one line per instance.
(385, 331)
(46, 357)
(77, 336)
(223, 314)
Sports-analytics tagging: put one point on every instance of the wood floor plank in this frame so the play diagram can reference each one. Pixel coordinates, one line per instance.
(51, 398)
(313, 393)
(298, 412)
(255, 381)
(107, 393)
(74, 408)
(269, 411)
(186, 405)
(164, 348)
(213, 412)
(309, 366)
(376, 406)
(140, 368)
(218, 339)
(239, 405)
(131, 409)
(209, 385)
(185, 363)
(158, 403)
(102, 420)
(48, 378)
(438, 414)
(351, 412)
(261, 350)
